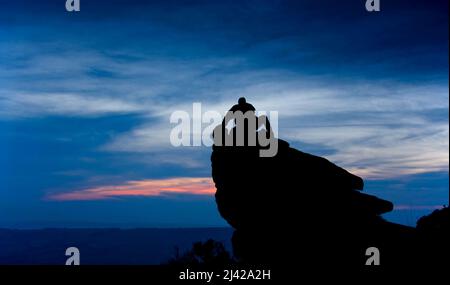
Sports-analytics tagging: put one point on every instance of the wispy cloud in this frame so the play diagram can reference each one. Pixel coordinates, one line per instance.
(63, 104)
(418, 207)
(143, 188)
(378, 130)
(375, 127)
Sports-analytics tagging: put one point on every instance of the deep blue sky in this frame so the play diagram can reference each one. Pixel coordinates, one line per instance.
(85, 100)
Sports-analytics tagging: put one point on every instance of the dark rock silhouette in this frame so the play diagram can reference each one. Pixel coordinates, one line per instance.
(436, 223)
(295, 205)
(433, 235)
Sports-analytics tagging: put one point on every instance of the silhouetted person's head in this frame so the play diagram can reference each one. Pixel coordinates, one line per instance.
(242, 106)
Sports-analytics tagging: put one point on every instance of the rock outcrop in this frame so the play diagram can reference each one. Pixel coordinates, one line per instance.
(296, 204)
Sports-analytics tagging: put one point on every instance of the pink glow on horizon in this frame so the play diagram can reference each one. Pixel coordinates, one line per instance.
(143, 188)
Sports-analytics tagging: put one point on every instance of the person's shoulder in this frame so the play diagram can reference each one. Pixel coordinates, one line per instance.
(234, 108)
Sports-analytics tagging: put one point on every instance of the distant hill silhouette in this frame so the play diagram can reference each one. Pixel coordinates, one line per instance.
(297, 207)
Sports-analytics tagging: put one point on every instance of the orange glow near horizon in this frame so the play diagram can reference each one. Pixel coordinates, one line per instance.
(143, 188)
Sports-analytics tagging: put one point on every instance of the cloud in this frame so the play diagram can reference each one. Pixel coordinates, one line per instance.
(375, 127)
(376, 130)
(142, 188)
(418, 207)
(91, 83)
(381, 151)
(63, 104)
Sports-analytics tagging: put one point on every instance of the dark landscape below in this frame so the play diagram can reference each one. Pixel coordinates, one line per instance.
(103, 246)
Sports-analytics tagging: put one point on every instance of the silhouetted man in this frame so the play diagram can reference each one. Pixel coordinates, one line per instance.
(246, 126)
